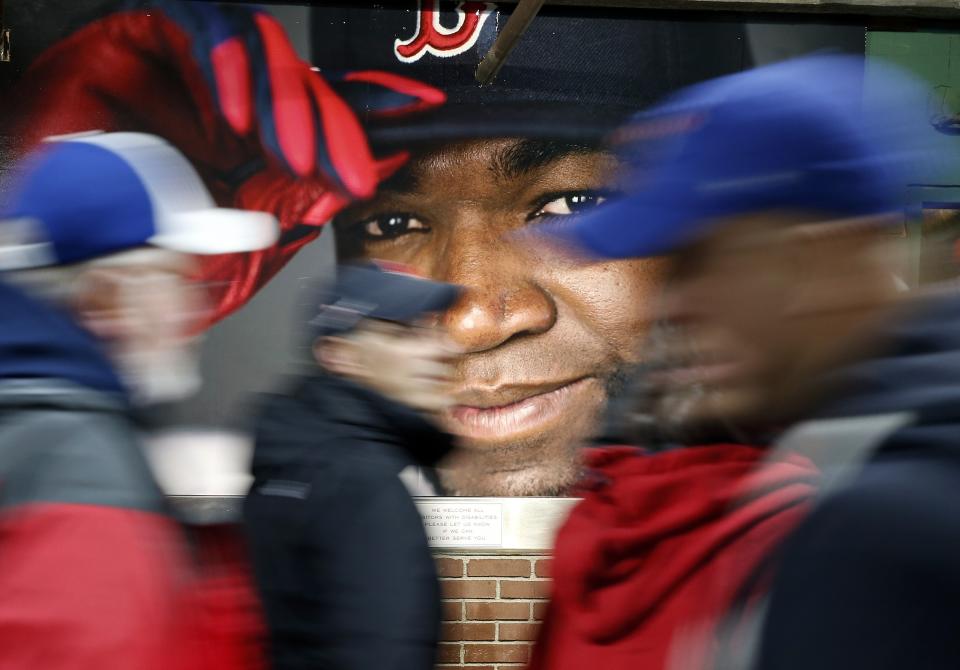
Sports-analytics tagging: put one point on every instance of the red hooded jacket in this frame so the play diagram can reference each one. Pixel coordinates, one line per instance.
(656, 551)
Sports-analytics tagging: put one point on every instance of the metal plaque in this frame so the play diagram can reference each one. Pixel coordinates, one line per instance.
(462, 523)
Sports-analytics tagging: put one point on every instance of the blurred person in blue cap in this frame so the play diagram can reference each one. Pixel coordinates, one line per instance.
(780, 195)
(328, 505)
(100, 316)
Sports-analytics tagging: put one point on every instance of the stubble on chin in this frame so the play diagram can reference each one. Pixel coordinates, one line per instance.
(475, 473)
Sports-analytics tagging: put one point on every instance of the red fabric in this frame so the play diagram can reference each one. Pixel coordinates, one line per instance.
(131, 71)
(658, 548)
(89, 587)
(227, 611)
(231, 70)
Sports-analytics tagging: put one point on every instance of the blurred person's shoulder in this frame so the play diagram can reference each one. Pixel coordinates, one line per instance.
(315, 392)
(293, 399)
(871, 573)
(79, 453)
(314, 430)
(900, 512)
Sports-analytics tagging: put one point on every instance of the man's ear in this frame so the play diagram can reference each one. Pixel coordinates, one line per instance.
(337, 355)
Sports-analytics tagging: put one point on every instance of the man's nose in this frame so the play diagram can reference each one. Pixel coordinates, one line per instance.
(502, 300)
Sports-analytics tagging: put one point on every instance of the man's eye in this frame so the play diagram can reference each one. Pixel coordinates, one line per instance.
(570, 204)
(390, 226)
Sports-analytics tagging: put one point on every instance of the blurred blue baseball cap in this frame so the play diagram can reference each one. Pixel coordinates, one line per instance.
(798, 135)
(89, 195)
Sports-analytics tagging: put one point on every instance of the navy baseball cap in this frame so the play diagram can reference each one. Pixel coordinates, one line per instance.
(88, 195)
(377, 291)
(574, 75)
(797, 135)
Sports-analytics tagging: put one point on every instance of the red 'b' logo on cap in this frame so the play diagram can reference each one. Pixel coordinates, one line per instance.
(433, 38)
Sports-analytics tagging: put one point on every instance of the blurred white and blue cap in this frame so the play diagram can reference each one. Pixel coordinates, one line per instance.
(80, 197)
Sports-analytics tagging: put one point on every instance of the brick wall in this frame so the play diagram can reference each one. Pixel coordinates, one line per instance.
(492, 608)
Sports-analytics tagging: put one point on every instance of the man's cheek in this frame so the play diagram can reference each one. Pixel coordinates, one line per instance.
(618, 300)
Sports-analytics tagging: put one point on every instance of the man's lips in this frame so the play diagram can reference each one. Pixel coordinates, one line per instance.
(512, 410)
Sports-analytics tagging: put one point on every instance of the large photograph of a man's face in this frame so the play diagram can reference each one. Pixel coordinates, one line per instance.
(547, 341)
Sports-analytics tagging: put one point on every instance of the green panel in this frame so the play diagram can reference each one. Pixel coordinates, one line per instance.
(935, 58)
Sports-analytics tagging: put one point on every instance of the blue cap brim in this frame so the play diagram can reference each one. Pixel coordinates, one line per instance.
(638, 226)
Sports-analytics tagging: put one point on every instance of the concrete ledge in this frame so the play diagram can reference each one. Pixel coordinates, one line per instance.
(207, 510)
(460, 525)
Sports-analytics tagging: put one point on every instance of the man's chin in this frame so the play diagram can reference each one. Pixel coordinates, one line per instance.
(546, 463)
(535, 479)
